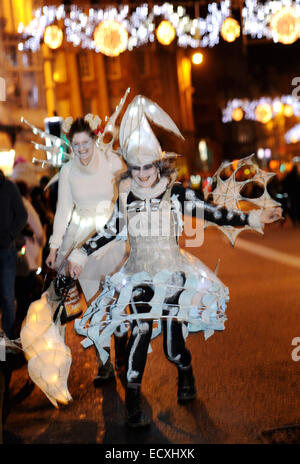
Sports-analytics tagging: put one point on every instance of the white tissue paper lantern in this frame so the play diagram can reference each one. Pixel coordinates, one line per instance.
(49, 359)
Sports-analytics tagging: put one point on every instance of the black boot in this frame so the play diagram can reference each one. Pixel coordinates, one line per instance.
(120, 354)
(186, 384)
(105, 373)
(135, 416)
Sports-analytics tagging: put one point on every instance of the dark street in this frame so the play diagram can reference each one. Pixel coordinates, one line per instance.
(246, 378)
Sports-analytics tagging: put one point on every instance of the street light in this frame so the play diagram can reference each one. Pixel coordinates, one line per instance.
(197, 58)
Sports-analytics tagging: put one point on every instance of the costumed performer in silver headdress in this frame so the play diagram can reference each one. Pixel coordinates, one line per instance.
(159, 281)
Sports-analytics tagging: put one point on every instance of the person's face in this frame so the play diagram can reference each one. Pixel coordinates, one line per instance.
(83, 145)
(144, 176)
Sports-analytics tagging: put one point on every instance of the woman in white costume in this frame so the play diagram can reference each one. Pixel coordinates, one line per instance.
(158, 281)
(86, 196)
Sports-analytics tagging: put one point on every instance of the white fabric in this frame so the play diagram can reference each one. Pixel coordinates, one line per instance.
(254, 218)
(84, 188)
(138, 143)
(86, 197)
(78, 257)
(34, 246)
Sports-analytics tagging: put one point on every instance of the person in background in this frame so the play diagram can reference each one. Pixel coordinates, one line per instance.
(13, 217)
(28, 283)
(291, 185)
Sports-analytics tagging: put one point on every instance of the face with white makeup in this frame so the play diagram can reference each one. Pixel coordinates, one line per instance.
(83, 146)
(145, 176)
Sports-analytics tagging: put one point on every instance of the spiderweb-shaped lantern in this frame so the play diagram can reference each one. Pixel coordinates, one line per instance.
(227, 193)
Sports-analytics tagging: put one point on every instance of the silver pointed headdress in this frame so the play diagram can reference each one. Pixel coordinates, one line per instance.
(138, 144)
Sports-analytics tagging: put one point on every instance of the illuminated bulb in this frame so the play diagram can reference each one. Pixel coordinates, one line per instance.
(268, 153)
(165, 33)
(53, 37)
(111, 38)
(277, 107)
(197, 58)
(260, 153)
(230, 30)
(263, 113)
(237, 114)
(285, 25)
(288, 111)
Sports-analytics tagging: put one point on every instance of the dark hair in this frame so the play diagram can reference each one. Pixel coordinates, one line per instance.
(80, 125)
(165, 168)
(23, 188)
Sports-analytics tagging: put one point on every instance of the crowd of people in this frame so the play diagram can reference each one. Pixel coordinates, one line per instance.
(42, 229)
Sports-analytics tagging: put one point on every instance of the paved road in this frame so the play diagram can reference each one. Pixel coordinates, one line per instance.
(247, 380)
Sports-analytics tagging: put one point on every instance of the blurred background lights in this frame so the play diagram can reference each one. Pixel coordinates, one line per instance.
(268, 153)
(165, 33)
(277, 106)
(262, 110)
(111, 38)
(260, 153)
(288, 111)
(53, 37)
(263, 113)
(197, 58)
(195, 181)
(293, 135)
(7, 159)
(202, 147)
(237, 114)
(230, 30)
(285, 25)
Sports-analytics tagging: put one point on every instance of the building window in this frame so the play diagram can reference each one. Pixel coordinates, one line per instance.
(142, 59)
(23, 74)
(86, 68)
(113, 67)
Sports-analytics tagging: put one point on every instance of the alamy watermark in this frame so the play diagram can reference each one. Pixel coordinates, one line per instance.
(2, 89)
(296, 351)
(153, 219)
(2, 349)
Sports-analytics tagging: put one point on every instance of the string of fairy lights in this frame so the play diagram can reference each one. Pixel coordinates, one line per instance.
(112, 30)
(263, 109)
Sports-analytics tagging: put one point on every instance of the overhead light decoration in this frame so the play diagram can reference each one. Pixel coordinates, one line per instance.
(53, 37)
(275, 20)
(263, 113)
(165, 33)
(111, 38)
(261, 109)
(277, 107)
(260, 20)
(140, 24)
(230, 30)
(288, 111)
(293, 135)
(237, 114)
(285, 25)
